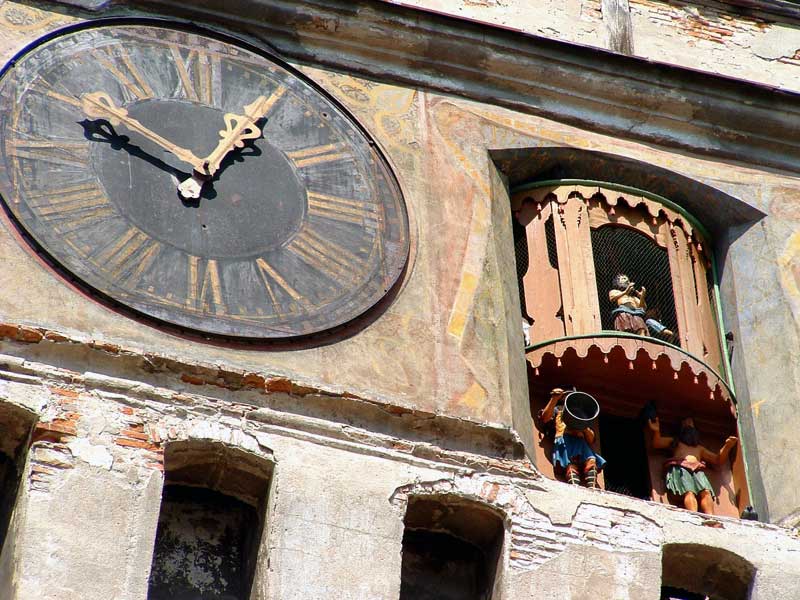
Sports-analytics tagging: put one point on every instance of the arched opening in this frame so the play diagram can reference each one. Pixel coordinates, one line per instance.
(692, 571)
(16, 425)
(451, 547)
(210, 525)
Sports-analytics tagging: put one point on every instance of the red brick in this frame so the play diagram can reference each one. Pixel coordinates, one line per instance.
(278, 384)
(135, 444)
(137, 435)
(65, 392)
(193, 379)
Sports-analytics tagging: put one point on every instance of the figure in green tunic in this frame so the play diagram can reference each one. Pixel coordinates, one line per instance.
(685, 471)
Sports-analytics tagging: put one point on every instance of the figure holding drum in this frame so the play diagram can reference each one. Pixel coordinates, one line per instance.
(573, 414)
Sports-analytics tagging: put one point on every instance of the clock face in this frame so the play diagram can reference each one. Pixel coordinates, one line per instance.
(198, 182)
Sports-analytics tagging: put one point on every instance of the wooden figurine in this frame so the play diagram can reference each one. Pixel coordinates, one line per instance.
(572, 451)
(630, 315)
(685, 477)
(526, 331)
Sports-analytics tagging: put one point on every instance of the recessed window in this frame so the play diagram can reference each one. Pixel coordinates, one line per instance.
(451, 548)
(210, 523)
(695, 571)
(16, 425)
(622, 250)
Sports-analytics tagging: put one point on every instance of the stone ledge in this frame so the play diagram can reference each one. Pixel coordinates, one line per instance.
(586, 87)
(268, 397)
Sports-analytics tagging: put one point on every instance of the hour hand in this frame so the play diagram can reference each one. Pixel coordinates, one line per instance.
(238, 128)
(99, 105)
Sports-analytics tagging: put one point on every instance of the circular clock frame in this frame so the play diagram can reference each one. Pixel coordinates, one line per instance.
(335, 244)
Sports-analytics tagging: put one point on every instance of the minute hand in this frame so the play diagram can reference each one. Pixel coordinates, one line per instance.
(99, 105)
(238, 128)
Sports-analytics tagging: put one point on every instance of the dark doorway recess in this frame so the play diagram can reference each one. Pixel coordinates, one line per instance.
(450, 550)
(695, 571)
(9, 482)
(205, 546)
(626, 471)
(672, 593)
(210, 525)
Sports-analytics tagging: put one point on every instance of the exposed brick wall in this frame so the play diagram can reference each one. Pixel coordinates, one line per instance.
(711, 21)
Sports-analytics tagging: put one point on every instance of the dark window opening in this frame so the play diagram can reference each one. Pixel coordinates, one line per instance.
(451, 548)
(620, 249)
(9, 482)
(695, 571)
(673, 593)
(205, 545)
(210, 523)
(626, 471)
(16, 428)
(550, 238)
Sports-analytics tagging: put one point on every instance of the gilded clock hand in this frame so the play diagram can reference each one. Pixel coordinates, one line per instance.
(99, 105)
(238, 128)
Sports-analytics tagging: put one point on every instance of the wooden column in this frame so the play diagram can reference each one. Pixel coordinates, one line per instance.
(541, 282)
(576, 265)
(682, 268)
(712, 352)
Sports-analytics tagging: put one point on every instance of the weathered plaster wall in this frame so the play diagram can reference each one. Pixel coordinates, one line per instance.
(88, 516)
(446, 345)
(710, 36)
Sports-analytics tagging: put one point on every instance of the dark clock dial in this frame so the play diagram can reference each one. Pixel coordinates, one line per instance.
(198, 182)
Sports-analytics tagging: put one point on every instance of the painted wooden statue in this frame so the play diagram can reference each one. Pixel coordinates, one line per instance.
(630, 314)
(685, 476)
(572, 450)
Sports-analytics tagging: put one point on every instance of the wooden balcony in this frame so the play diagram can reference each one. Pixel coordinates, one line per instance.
(624, 372)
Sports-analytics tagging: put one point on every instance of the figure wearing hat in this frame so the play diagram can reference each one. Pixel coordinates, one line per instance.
(572, 449)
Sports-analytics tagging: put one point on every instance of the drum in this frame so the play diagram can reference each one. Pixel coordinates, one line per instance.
(580, 410)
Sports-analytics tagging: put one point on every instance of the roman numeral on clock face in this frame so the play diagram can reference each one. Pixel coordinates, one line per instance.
(65, 153)
(340, 209)
(274, 281)
(325, 256)
(72, 208)
(119, 63)
(204, 285)
(198, 72)
(129, 257)
(318, 154)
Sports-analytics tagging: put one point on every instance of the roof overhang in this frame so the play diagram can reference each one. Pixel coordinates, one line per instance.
(586, 87)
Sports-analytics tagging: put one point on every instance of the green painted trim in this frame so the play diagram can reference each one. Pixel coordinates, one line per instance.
(726, 366)
(726, 361)
(620, 188)
(622, 334)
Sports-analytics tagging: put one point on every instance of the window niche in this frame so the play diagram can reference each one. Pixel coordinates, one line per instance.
(697, 572)
(210, 525)
(451, 549)
(16, 425)
(578, 238)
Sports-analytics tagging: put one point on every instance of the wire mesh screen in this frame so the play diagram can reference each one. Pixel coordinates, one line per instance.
(521, 255)
(623, 250)
(550, 238)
